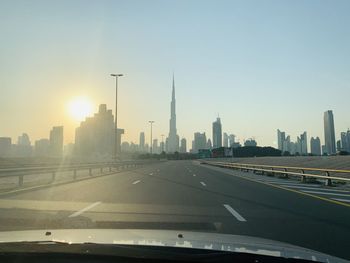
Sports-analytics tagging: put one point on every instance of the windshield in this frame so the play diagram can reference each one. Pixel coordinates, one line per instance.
(225, 117)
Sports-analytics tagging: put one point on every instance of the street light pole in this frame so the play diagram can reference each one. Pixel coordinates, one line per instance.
(116, 114)
(151, 122)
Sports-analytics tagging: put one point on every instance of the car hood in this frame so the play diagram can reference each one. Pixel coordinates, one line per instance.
(169, 238)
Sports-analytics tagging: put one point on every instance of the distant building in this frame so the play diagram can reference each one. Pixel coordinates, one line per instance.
(250, 142)
(324, 150)
(95, 137)
(42, 147)
(173, 138)
(56, 141)
(303, 143)
(142, 141)
(5, 146)
(68, 149)
(155, 146)
(315, 145)
(162, 146)
(183, 145)
(200, 142)
(231, 139)
(217, 133)
(225, 140)
(345, 141)
(339, 146)
(23, 148)
(209, 144)
(329, 133)
(281, 137)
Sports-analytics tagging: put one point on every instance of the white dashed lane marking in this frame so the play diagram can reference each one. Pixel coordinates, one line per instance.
(235, 213)
(202, 183)
(136, 182)
(84, 209)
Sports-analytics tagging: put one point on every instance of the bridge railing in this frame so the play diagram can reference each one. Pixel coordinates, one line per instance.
(53, 170)
(302, 172)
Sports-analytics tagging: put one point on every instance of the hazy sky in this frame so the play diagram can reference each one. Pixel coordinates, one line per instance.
(260, 65)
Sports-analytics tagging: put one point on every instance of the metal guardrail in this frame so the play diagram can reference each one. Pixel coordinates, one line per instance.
(53, 170)
(286, 171)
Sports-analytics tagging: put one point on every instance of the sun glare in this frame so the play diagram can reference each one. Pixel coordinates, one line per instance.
(80, 108)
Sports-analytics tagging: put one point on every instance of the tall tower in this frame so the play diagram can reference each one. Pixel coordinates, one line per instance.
(329, 133)
(173, 139)
(217, 133)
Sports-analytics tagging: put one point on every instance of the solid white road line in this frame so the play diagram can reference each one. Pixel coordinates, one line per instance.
(136, 182)
(202, 183)
(323, 193)
(341, 199)
(320, 189)
(84, 209)
(235, 213)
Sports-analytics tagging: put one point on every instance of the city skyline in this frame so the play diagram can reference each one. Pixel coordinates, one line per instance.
(287, 74)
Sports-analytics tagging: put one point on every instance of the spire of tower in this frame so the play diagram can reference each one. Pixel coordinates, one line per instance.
(173, 94)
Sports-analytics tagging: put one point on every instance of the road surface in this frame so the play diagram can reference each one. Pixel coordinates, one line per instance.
(186, 195)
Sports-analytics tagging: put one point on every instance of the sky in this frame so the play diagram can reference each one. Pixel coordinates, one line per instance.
(259, 65)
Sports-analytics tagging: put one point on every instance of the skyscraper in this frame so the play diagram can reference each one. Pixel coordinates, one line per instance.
(173, 138)
(231, 139)
(183, 145)
(56, 141)
(281, 137)
(315, 145)
(200, 142)
(303, 143)
(225, 142)
(5, 146)
(217, 133)
(96, 135)
(142, 141)
(329, 133)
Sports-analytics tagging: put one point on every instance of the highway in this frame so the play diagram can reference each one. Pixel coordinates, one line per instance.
(186, 195)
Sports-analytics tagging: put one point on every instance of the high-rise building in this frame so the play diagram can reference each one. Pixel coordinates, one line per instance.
(42, 147)
(56, 141)
(96, 135)
(23, 148)
(303, 143)
(231, 140)
(173, 138)
(5, 146)
(225, 140)
(329, 133)
(200, 142)
(209, 144)
(345, 141)
(183, 145)
(281, 137)
(142, 141)
(315, 145)
(324, 150)
(217, 133)
(155, 146)
(338, 145)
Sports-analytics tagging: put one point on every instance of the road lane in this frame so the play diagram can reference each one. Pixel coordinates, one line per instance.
(168, 195)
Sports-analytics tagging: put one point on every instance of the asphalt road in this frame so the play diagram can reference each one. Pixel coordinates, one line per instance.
(185, 195)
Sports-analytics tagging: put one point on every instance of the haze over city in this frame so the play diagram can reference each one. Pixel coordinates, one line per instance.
(228, 59)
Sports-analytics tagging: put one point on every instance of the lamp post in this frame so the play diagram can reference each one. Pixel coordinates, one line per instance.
(151, 122)
(116, 114)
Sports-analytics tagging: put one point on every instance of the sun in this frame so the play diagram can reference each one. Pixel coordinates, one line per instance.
(79, 108)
